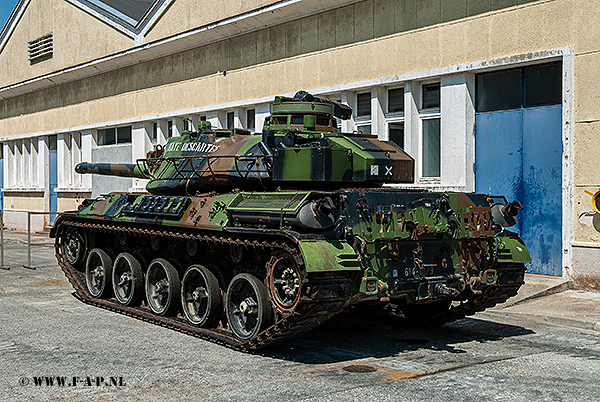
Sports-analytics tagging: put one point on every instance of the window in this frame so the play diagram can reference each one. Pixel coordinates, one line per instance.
(107, 136)
(499, 90)
(431, 148)
(154, 132)
(251, 119)
(530, 86)
(430, 130)
(396, 100)
(230, 118)
(543, 85)
(431, 96)
(41, 49)
(111, 136)
(1, 150)
(123, 134)
(52, 142)
(396, 134)
(169, 128)
(363, 104)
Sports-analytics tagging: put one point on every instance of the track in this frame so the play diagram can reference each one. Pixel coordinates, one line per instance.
(307, 314)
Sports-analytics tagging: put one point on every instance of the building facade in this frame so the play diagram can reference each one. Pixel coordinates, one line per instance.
(494, 96)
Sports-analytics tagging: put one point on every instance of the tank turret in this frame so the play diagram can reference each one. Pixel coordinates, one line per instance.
(300, 147)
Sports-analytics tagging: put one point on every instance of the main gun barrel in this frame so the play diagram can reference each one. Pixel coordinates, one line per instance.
(111, 169)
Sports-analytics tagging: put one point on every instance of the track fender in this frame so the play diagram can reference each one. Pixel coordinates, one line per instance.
(329, 256)
(512, 249)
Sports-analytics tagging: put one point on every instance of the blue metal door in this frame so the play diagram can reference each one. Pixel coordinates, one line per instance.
(542, 178)
(53, 179)
(518, 153)
(499, 154)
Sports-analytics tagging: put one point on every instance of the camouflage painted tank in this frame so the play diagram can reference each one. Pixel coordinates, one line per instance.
(250, 240)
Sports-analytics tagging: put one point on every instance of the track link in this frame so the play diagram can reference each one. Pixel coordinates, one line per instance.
(308, 313)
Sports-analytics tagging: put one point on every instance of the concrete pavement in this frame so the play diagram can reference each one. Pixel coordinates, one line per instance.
(543, 298)
(554, 300)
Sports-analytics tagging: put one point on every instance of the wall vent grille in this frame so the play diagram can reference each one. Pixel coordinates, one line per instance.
(41, 49)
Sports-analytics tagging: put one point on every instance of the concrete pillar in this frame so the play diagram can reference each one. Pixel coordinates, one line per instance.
(261, 112)
(378, 126)
(6, 170)
(76, 158)
(63, 159)
(177, 126)
(221, 119)
(42, 170)
(456, 136)
(87, 143)
(213, 119)
(349, 98)
(140, 144)
(162, 127)
(412, 126)
(195, 121)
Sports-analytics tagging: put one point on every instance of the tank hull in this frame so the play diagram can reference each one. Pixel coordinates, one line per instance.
(308, 255)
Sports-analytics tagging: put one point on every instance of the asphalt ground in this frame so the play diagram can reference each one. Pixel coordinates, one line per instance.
(47, 336)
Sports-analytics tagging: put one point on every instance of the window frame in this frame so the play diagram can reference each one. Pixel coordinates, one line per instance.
(115, 131)
(425, 114)
(397, 117)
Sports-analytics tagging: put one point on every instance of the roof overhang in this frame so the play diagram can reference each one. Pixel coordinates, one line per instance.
(278, 13)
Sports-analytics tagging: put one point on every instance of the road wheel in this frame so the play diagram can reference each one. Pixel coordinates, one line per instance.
(162, 287)
(128, 280)
(98, 271)
(201, 296)
(74, 247)
(247, 306)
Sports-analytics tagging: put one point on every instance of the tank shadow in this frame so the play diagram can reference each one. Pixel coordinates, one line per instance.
(350, 336)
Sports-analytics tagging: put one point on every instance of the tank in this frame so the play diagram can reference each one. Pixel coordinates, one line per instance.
(251, 240)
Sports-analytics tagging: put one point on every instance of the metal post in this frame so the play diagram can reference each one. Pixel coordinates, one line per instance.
(2, 241)
(28, 266)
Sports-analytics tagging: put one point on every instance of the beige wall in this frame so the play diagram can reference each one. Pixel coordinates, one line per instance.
(586, 116)
(70, 201)
(316, 51)
(369, 39)
(25, 201)
(78, 37)
(184, 15)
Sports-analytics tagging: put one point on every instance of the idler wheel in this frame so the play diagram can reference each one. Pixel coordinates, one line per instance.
(128, 280)
(162, 287)
(98, 271)
(74, 247)
(247, 306)
(201, 296)
(285, 281)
